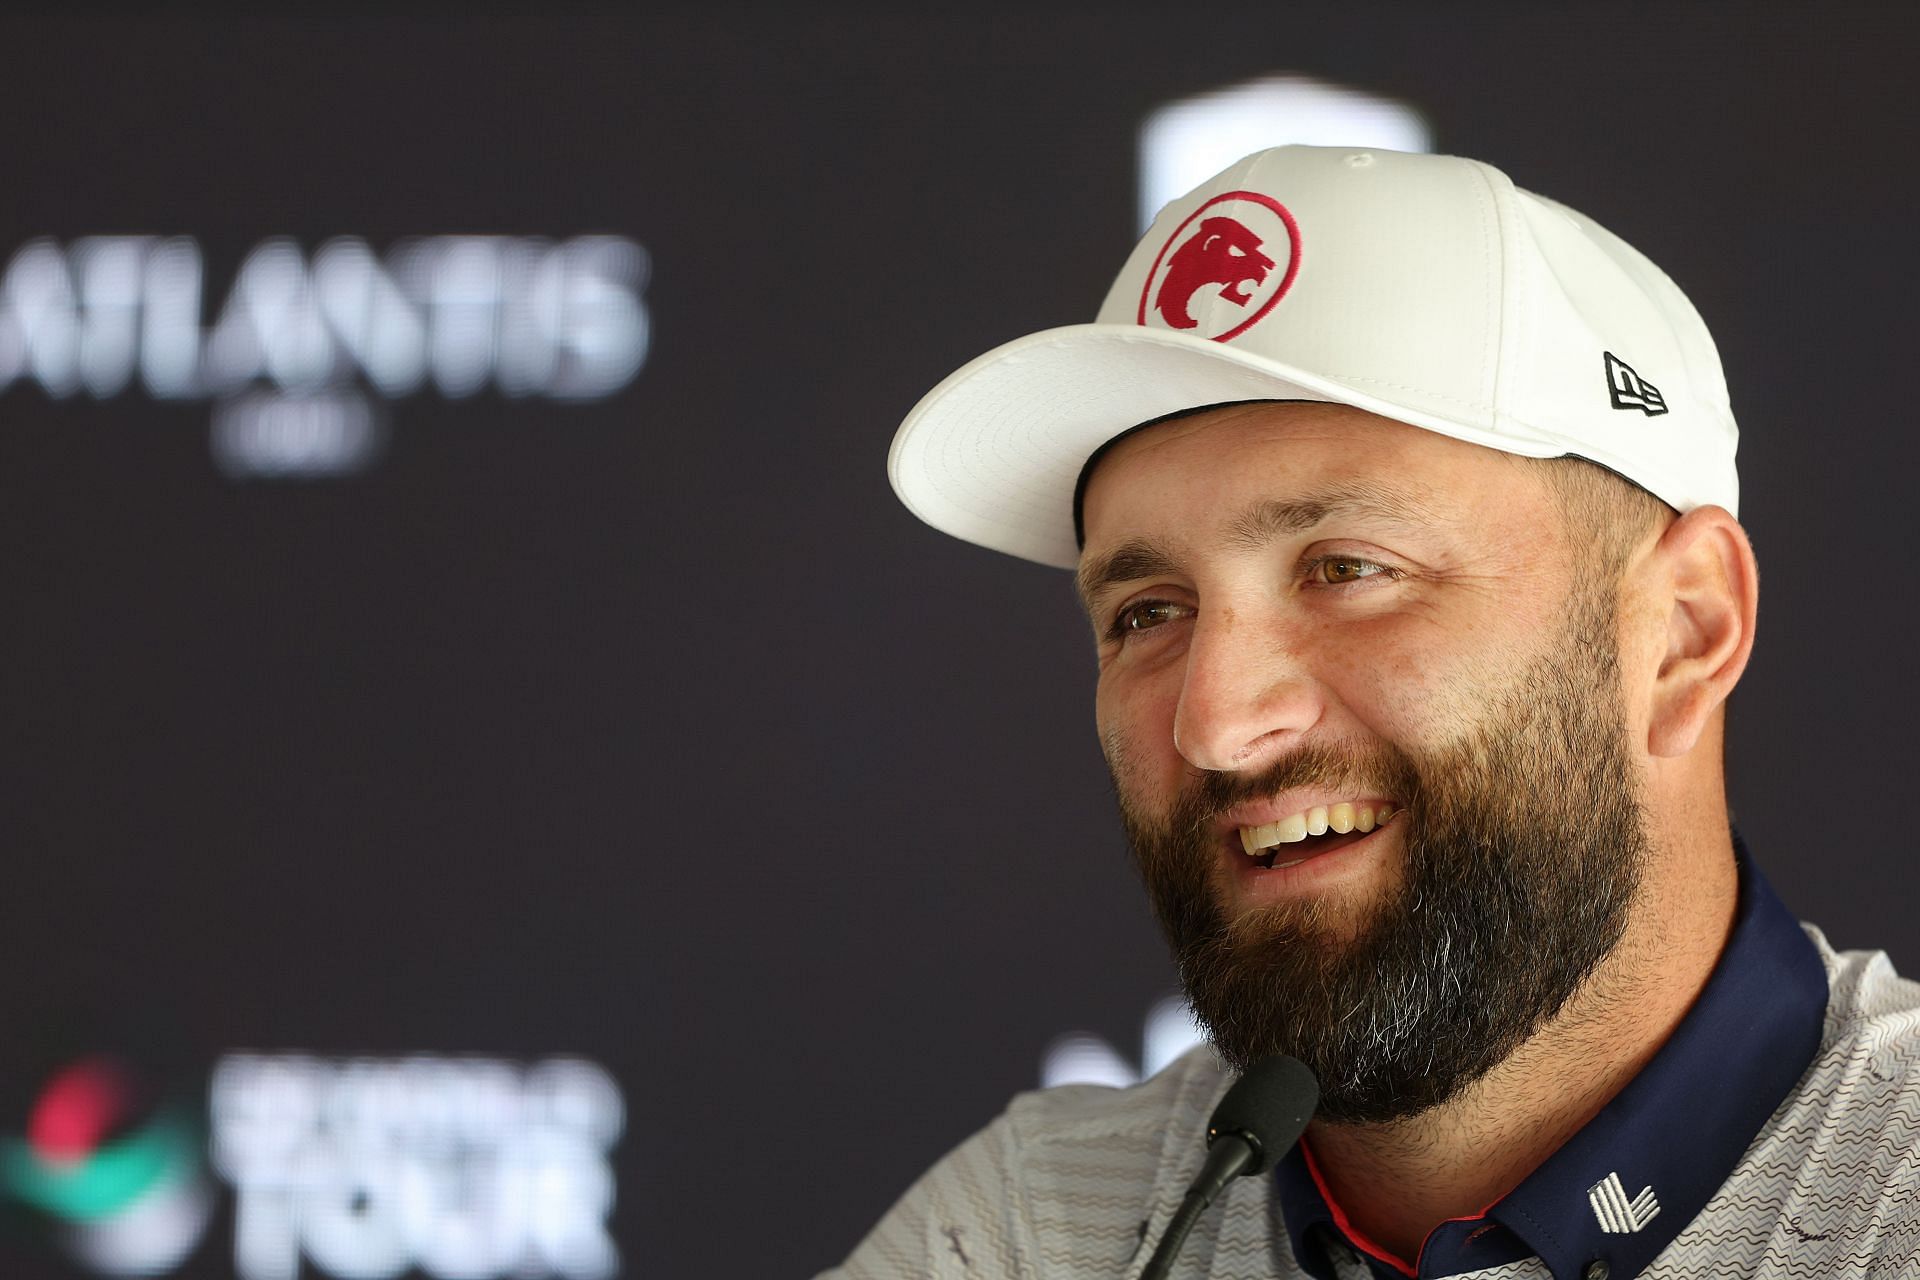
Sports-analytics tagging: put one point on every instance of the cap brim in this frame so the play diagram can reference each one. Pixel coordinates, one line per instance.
(994, 453)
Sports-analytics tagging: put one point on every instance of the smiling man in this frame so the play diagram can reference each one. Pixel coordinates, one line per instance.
(1402, 507)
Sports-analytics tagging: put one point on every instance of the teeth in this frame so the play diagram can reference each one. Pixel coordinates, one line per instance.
(1288, 830)
(1318, 820)
(1257, 840)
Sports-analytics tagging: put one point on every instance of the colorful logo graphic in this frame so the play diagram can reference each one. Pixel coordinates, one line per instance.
(124, 1181)
(454, 1167)
(1223, 268)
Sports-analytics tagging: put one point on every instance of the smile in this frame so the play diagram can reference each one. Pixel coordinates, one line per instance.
(1320, 829)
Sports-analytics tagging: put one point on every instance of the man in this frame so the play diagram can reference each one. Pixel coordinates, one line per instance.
(1402, 506)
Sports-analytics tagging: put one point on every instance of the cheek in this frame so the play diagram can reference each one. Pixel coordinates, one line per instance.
(1134, 718)
(1430, 686)
(1412, 680)
(1399, 679)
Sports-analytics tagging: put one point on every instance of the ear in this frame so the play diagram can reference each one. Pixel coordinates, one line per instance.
(1710, 592)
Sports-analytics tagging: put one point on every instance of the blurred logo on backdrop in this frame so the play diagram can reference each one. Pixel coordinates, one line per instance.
(122, 1180)
(461, 1168)
(1185, 142)
(1082, 1057)
(304, 352)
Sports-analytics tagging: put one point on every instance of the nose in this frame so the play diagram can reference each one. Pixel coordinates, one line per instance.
(1247, 695)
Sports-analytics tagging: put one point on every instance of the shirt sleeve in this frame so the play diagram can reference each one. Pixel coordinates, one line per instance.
(961, 1221)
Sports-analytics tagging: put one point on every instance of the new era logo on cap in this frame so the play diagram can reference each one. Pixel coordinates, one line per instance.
(1631, 391)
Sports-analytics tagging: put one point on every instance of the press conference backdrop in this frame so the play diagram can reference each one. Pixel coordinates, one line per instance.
(493, 784)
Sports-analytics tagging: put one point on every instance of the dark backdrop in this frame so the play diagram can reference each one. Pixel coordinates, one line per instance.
(651, 729)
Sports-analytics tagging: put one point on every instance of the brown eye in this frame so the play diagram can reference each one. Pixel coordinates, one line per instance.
(1337, 569)
(1144, 616)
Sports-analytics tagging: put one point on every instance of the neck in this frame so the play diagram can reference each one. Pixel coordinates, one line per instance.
(1396, 1182)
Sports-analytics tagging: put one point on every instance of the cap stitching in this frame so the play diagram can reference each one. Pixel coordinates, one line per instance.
(1407, 386)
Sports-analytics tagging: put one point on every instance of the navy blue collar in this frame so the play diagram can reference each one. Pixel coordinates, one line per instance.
(1627, 1183)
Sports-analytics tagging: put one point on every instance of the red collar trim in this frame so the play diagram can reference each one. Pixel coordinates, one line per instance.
(1358, 1238)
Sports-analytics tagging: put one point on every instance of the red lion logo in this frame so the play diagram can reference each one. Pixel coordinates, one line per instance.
(1222, 252)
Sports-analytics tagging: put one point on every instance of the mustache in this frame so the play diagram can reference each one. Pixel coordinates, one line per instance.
(1343, 765)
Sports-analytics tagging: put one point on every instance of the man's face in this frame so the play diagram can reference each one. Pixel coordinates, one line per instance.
(1310, 618)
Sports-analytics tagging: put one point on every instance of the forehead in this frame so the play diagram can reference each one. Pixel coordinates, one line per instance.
(1270, 445)
(1192, 482)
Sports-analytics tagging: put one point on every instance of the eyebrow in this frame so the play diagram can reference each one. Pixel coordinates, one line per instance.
(1253, 529)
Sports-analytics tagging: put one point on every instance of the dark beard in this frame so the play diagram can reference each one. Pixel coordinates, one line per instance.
(1523, 843)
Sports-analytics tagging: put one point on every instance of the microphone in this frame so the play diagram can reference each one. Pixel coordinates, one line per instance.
(1256, 1123)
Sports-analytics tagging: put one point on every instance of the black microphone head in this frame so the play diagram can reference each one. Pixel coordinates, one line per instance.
(1269, 1106)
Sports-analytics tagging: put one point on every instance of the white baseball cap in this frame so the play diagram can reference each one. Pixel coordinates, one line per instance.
(1423, 288)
